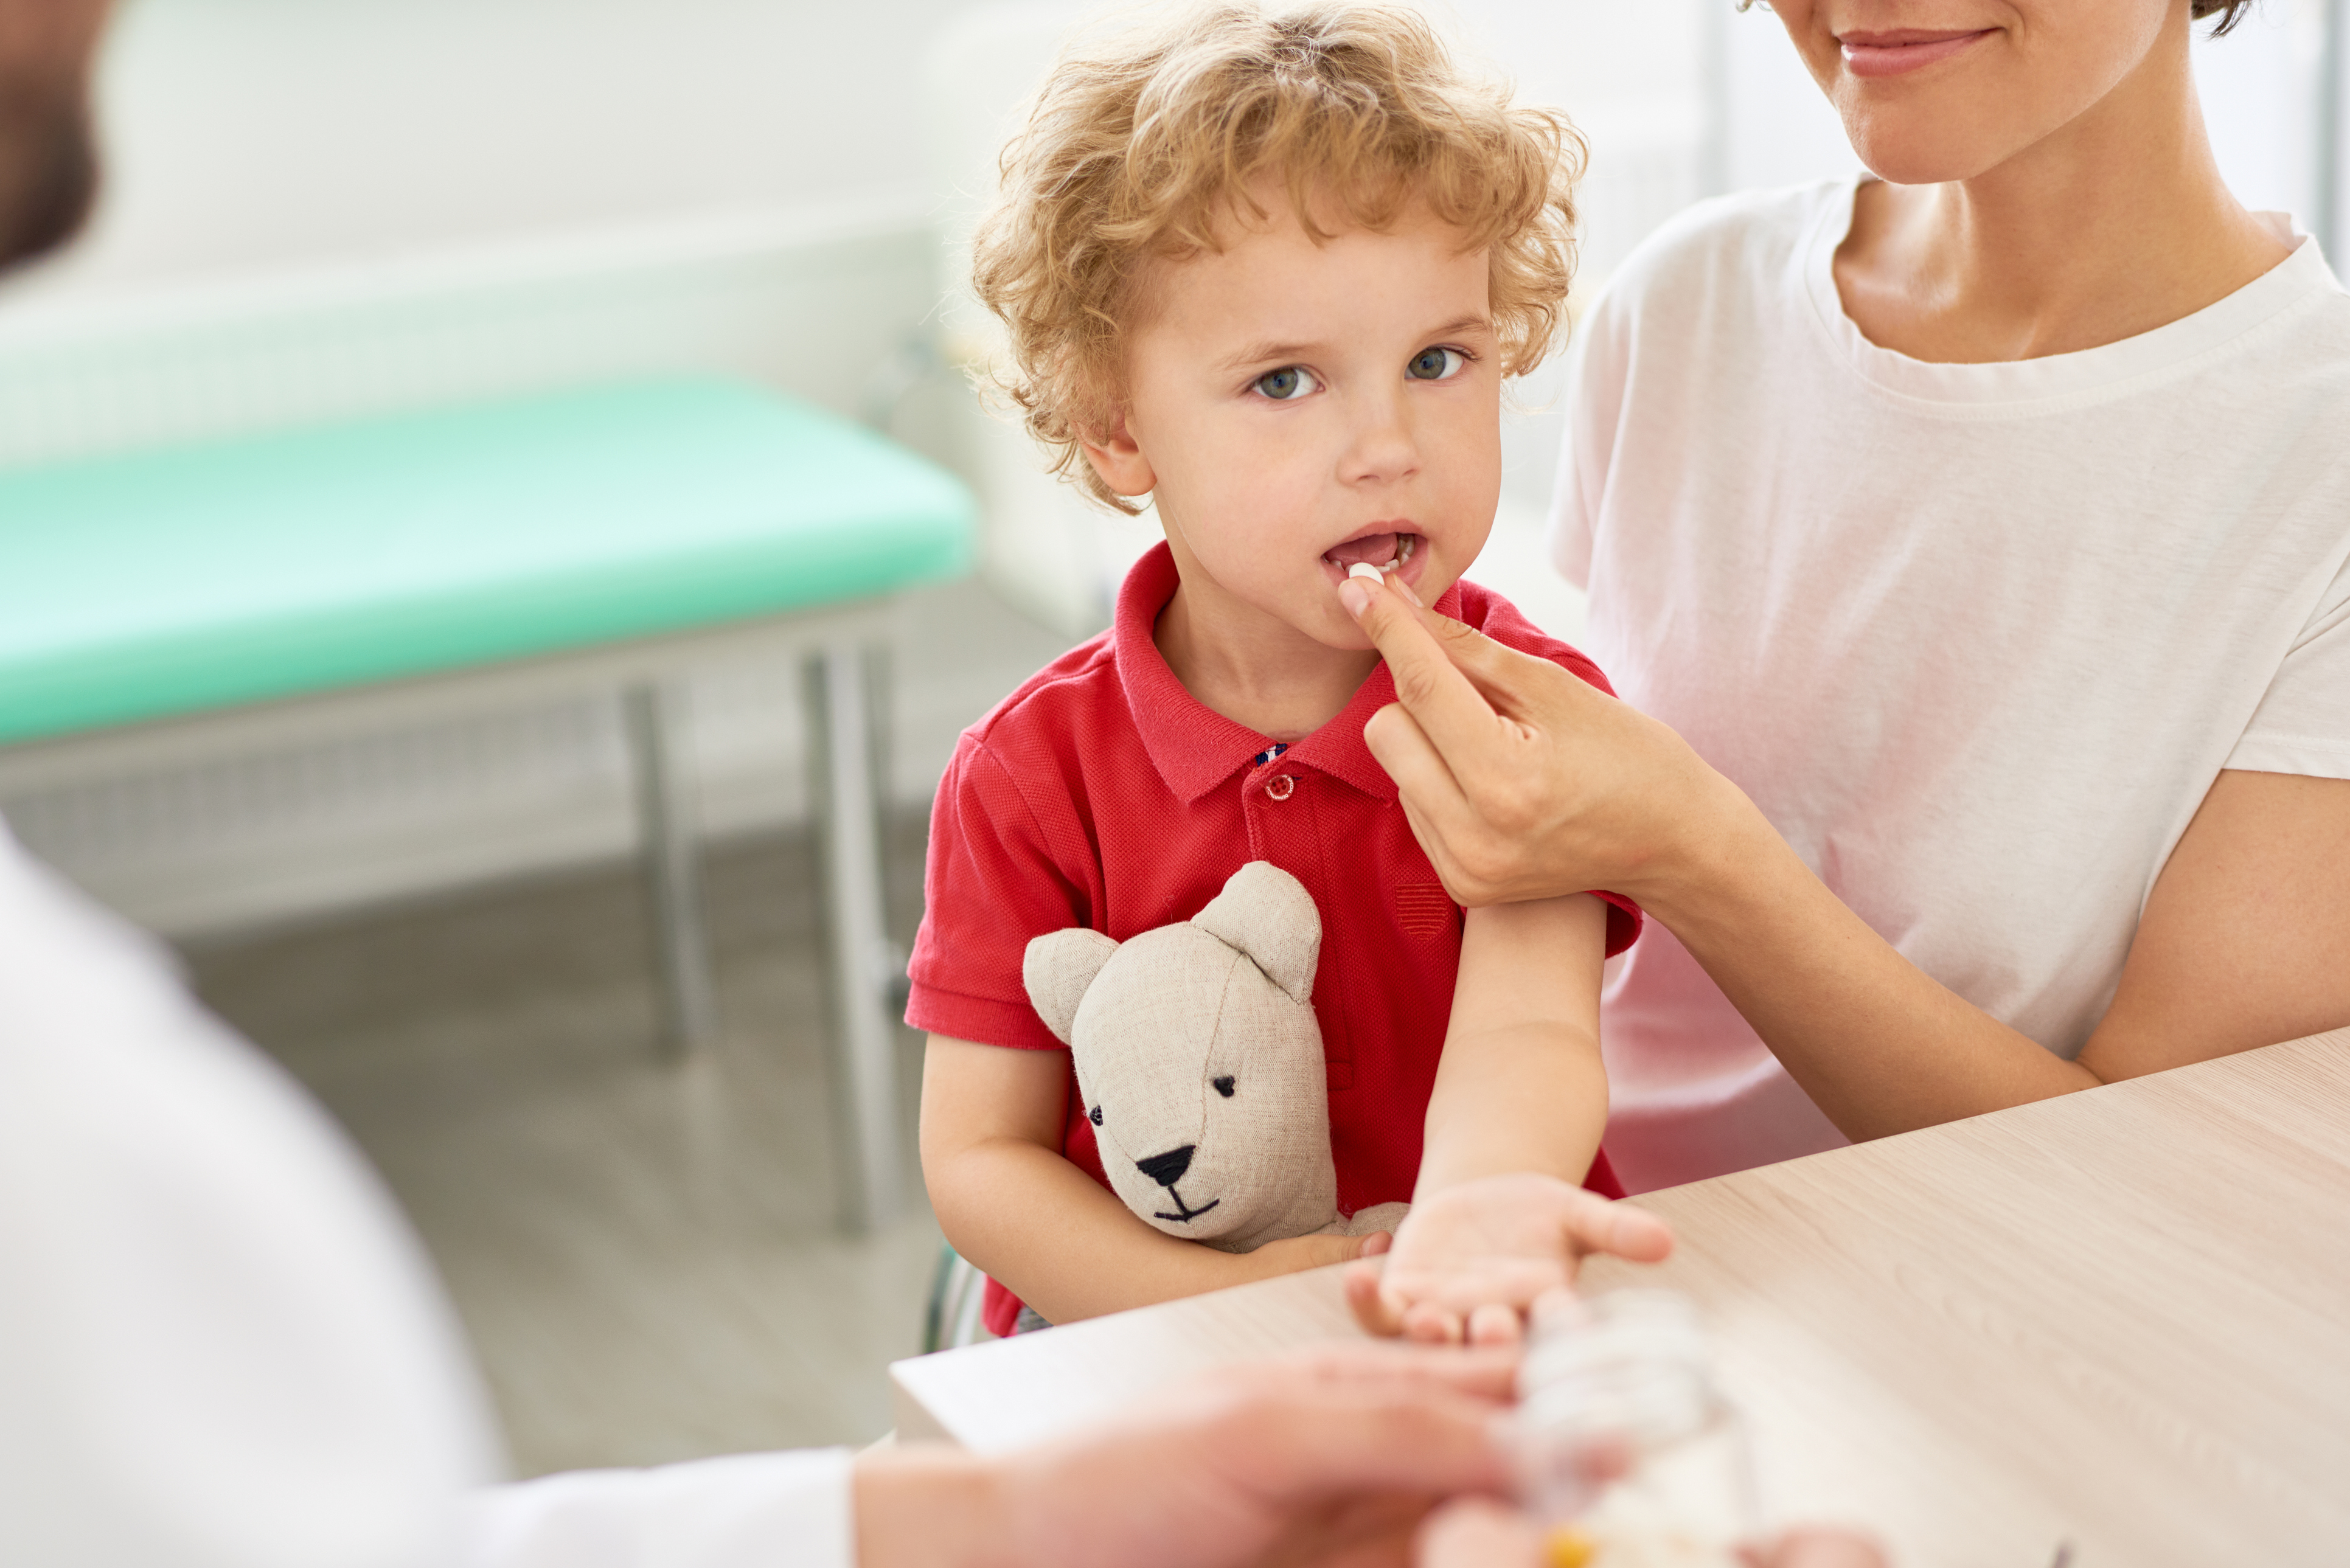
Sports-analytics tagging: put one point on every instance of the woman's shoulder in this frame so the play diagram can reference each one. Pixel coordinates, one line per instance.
(2309, 310)
(1747, 243)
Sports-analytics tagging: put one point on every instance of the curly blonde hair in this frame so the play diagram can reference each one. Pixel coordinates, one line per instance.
(1139, 141)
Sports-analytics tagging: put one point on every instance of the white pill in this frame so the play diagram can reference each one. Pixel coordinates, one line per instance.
(1364, 570)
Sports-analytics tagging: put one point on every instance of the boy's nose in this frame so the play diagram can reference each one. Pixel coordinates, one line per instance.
(1168, 1169)
(1382, 448)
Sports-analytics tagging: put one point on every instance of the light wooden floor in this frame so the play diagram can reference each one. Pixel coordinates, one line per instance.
(644, 1254)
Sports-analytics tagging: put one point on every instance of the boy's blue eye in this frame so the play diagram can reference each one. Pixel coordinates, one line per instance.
(1436, 364)
(1288, 384)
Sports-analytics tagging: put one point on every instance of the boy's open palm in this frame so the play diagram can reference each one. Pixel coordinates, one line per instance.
(1468, 1261)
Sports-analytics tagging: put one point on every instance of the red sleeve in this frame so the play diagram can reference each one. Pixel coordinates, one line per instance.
(992, 883)
(990, 886)
(1502, 621)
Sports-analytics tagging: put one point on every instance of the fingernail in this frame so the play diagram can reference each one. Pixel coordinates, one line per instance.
(1405, 588)
(1355, 596)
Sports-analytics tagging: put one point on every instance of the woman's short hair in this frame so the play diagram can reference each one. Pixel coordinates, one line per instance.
(1142, 140)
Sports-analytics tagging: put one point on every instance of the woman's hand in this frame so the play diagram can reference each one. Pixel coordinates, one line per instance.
(1523, 782)
(1469, 1261)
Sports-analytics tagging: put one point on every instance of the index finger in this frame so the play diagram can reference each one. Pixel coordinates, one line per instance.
(1442, 700)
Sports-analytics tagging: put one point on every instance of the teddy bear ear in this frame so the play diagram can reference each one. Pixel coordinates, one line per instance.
(1268, 914)
(1057, 967)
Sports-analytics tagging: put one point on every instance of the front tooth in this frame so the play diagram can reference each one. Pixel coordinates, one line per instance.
(1391, 565)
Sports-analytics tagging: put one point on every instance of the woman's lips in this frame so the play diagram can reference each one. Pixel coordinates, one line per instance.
(1907, 49)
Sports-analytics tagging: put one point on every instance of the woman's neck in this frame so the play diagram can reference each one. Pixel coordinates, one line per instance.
(2115, 225)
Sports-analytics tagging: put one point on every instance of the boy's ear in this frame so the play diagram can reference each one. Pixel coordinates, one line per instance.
(1115, 456)
(1058, 969)
(1268, 914)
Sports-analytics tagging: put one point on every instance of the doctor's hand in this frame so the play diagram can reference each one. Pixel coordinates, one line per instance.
(1334, 1456)
(1522, 781)
(1469, 1261)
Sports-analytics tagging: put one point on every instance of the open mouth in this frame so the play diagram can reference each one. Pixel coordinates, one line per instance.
(1389, 549)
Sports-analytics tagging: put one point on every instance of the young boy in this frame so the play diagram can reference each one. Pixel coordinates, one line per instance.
(1269, 269)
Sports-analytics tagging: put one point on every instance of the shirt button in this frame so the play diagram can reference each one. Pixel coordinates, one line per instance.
(1280, 787)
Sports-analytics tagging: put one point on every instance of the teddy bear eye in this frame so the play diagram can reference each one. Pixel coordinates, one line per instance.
(1224, 1086)
(1094, 1116)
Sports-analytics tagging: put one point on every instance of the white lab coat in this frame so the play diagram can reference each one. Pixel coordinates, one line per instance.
(220, 1347)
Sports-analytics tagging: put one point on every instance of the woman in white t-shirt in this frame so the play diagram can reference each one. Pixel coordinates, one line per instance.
(1973, 540)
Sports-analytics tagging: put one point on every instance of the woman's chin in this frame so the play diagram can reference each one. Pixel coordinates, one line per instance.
(1918, 155)
(1933, 140)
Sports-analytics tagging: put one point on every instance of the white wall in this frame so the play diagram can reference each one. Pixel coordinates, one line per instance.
(2261, 91)
(1780, 131)
(264, 134)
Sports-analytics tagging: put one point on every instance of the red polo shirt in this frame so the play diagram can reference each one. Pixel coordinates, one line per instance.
(1102, 794)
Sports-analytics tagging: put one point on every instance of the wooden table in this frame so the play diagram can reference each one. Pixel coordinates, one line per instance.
(2119, 1319)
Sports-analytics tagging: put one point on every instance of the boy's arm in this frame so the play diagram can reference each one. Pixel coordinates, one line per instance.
(1519, 1085)
(1011, 1204)
(1520, 1103)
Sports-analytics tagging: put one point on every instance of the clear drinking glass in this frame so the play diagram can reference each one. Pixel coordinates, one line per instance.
(1628, 1454)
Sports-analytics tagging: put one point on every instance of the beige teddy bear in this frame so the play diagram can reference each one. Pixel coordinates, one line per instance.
(1201, 1063)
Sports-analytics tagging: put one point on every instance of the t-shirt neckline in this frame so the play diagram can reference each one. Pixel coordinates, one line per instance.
(2089, 374)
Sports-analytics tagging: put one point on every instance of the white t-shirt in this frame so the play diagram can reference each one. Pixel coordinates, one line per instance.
(220, 1347)
(1977, 639)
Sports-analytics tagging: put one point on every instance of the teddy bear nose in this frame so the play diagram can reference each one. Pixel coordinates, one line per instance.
(1168, 1169)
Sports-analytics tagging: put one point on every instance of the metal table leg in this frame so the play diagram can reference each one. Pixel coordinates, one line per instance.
(666, 832)
(858, 960)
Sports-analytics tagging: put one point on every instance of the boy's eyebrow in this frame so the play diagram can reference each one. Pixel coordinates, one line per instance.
(1258, 353)
(1462, 324)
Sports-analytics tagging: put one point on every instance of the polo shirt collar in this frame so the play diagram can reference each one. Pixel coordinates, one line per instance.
(1195, 748)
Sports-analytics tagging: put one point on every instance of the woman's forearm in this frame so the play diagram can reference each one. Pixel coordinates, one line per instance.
(1881, 1046)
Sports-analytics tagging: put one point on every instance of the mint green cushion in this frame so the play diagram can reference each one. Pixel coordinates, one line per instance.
(164, 581)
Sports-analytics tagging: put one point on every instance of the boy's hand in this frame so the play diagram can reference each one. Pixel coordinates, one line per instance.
(1468, 1261)
(1297, 1253)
